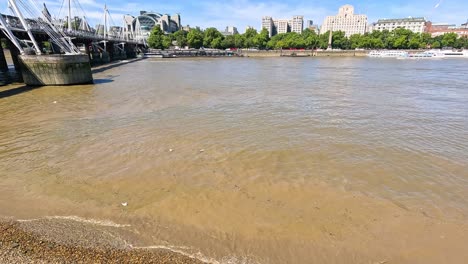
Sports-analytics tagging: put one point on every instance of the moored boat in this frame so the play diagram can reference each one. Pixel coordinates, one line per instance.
(451, 53)
(387, 54)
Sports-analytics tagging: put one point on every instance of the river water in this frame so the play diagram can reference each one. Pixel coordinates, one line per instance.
(279, 160)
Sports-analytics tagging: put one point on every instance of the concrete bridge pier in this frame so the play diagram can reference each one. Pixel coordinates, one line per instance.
(38, 70)
(110, 51)
(119, 52)
(87, 50)
(14, 55)
(3, 62)
(131, 51)
(105, 57)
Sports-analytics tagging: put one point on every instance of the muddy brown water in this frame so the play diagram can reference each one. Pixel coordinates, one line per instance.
(279, 160)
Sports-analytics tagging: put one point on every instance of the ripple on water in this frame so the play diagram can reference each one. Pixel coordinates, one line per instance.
(391, 130)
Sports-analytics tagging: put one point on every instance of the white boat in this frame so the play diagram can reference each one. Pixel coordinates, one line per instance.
(422, 55)
(387, 54)
(451, 53)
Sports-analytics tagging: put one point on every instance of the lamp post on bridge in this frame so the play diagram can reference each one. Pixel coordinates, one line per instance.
(69, 16)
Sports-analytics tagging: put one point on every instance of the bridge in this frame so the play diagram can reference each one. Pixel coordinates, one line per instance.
(30, 28)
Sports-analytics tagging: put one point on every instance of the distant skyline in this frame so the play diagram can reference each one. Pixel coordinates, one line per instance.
(243, 13)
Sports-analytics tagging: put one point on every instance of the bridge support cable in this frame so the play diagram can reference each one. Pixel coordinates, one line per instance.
(43, 22)
(10, 34)
(56, 36)
(25, 25)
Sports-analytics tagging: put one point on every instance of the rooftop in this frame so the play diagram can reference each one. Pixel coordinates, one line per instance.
(409, 19)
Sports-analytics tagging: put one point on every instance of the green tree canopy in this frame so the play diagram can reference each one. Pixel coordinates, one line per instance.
(262, 38)
(195, 38)
(449, 39)
(210, 35)
(155, 40)
(400, 38)
(181, 38)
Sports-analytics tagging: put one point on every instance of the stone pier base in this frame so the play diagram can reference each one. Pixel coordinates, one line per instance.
(3, 62)
(55, 69)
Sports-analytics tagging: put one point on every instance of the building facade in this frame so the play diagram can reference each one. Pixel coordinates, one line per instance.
(229, 31)
(267, 23)
(417, 24)
(297, 24)
(438, 29)
(280, 26)
(345, 21)
(141, 26)
(311, 26)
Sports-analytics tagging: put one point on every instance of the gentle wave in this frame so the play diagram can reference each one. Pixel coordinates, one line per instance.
(178, 250)
(105, 223)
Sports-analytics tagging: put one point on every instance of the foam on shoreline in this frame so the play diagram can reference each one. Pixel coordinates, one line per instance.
(105, 223)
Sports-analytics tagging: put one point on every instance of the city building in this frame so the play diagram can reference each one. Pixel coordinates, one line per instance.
(438, 29)
(142, 25)
(345, 21)
(229, 31)
(297, 24)
(311, 26)
(416, 24)
(267, 23)
(280, 26)
(315, 28)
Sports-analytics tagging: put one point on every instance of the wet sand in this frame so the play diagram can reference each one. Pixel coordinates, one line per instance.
(18, 245)
(327, 224)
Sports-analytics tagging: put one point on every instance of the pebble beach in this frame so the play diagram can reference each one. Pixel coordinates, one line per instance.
(19, 245)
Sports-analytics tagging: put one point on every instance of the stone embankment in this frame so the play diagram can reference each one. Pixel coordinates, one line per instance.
(302, 53)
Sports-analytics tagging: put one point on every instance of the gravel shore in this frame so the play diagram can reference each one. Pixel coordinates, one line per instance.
(19, 245)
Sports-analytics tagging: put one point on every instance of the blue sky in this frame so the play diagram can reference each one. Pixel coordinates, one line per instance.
(242, 13)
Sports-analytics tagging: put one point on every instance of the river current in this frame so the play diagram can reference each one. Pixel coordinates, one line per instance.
(241, 160)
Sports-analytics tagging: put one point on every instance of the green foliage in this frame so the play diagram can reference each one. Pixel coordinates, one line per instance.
(311, 39)
(262, 39)
(449, 39)
(195, 38)
(239, 41)
(229, 41)
(340, 41)
(461, 43)
(211, 38)
(167, 41)
(250, 38)
(156, 38)
(323, 40)
(181, 38)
